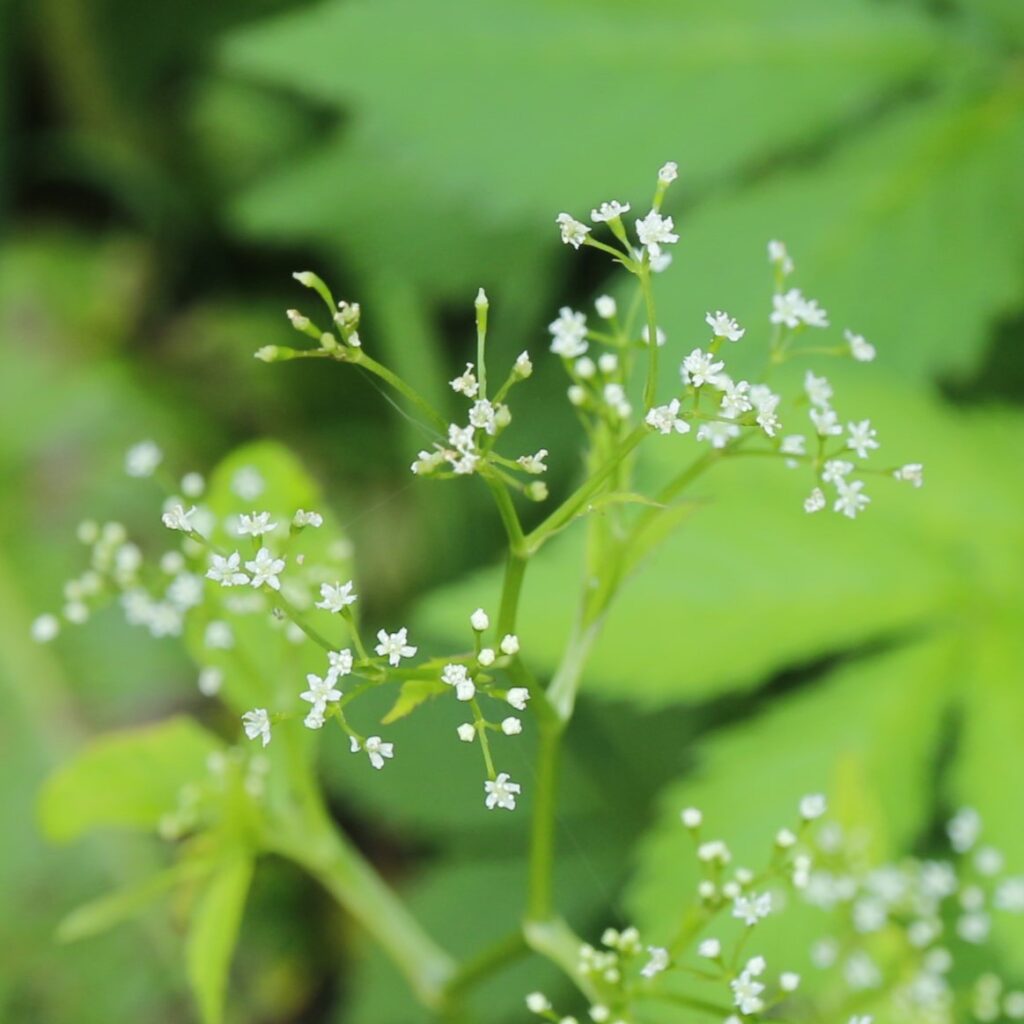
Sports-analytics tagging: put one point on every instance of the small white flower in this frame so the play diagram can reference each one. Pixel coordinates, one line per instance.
(912, 472)
(718, 434)
(522, 366)
(692, 817)
(786, 308)
(861, 438)
(714, 852)
(467, 732)
(964, 829)
(465, 384)
(509, 644)
(735, 396)
(751, 908)
(815, 501)
(426, 462)
(465, 689)
(699, 368)
(585, 368)
(851, 500)
(219, 636)
(534, 463)
(793, 444)
(813, 806)
(336, 596)
(836, 470)
(710, 949)
(142, 459)
(511, 726)
(615, 396)
(600, 1014)
(257, 724)
(789, 981)
(608, 211)
(605, 306)
(304, 518)
(658, 961)
(569, 333)
(479, 620)
(256, 524)
(668, 172)
(486, 656)
(746, 993)
(453, 674)
(818, 390)
(321, 691)
(778, 256)
(665, 418)
(210, 681)
(339, 663)
(501, 793)
(192, 485)
(608, 362)
(577, 394)
(537, 1002)
(185, 591)
(861, 349)
(176, 518)
(226, 570)
(724, 326)
(481, 416)
(45, 628)
(394, 646)
(377, 750)
(655, 230)
(265, 569)
(573, 232)
(826, 422)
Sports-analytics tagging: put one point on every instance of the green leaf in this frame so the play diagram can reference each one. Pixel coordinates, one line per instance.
(413, 693)
(213, 932)
(128, 779)
(113, 908)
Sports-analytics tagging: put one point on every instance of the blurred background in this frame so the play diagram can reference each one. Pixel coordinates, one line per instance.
(167, 166)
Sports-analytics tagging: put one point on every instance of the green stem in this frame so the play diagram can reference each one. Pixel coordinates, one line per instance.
(511, 589)
(651, 384)
(437, 421)
(489, 961)
(542, 827)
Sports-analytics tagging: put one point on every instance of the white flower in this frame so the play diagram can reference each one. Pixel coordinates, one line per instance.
(813, 806)
(912, 472)
(779, 257)
(691, 817)
(735, 396)
(724, 326)
(255, 525)
(534, 463)
(861, 437)
(812, 314)
(517, 696)
(509, 644)
(339, 663)
(537, 1002)
(219, 636)
(185, 591)
(486, 656)
(453, 674)
(479, 620)
(615, 396)
(963, 829)
(851, 500)
(142, 459)
(573, 232)
(481, 416)
(465, 689)
(835, 470)
(321, 690)
(467, 732)
(501, 793)
(815, 501)
(226, 571)
(394, 646)
(465, 384)
(192, 485)
(608, 362)
(818, 389)
(765, 401)
(668, 172)
(659, 334)
(569, 333)
(304, 518)
(792, 309)
(511, 726)
(700, 368)
(426, 462)
(609, 211)
(257, 724)
(717, 433)
(377, 750)
(861, 349)
(659, 260)
(746, 993)
(177, 518)
(793, 444)
(210, 681)
(665, 418)
(605, 306)
(522, 366)
(599, 1013)
(577, 394)
(45, 628)
(336, 596)
(750, 909)
(826, 422)
(714, 852)
(789, 981)
(655, 230)
(657, 963)
(265, 568)
(710, 949)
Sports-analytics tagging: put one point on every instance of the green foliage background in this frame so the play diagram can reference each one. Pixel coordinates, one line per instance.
(169, 164)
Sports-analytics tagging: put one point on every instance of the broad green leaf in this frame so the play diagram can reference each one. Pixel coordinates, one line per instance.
(122, 904)
(866, 735)
(126, 779)
(213, 932)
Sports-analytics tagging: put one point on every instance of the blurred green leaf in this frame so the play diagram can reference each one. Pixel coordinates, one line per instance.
(213, 932)
(128, 779)
(413, 693)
